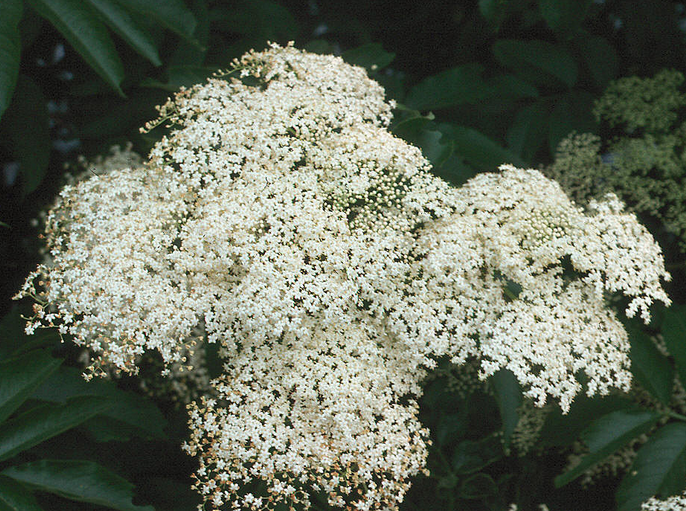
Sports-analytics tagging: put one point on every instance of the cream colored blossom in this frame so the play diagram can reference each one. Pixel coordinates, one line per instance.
(644, 165)
(675, 503)
(282, 221)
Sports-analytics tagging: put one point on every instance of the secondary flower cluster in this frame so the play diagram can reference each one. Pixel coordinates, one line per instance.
(644, 165)
(333, 270)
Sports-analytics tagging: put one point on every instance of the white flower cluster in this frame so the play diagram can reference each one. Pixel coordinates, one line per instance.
(675, 503)
(334, 271)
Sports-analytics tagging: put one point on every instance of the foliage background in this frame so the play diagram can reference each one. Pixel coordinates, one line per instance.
(478, 83)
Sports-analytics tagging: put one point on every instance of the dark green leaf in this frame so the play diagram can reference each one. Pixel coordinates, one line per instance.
(562, 430)
(659, 468)
(448, 481)
(189, 53)
(471, 456)
(116, 118)
(319, 46)
(13, 339)
(10, 49)
(497, 11)
(27, 125)
(537, 61)
(137, 415)
(564, 16)
(419, 131)
(674, 335)
(15, 497)
(86, 34)
(106, 429)
(126, 26)
(650, 367)
(572, 112)
(450, 427)
(527, 133)
(477, 149)
(20, 376)
(83, 481)
(455, 170)
(371, 56)
(478, 486)
(511, 87)
(600, 58)
(180, 76)
(263, 19)
(453, 87)
(494, 11)
(508, 394)
(170, 494)
(171, 14)
(435, 147)
(43, 422)
(607, 434)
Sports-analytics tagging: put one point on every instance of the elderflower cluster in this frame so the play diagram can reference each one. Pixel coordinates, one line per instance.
(282, 221)
(645, 165)
(675, 503)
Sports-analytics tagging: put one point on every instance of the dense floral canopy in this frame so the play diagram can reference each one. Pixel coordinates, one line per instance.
(282, 220)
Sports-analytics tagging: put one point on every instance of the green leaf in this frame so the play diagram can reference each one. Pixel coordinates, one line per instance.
(319, 46)
(15, 497)
(138, 415)
(180, 76)
(599, 57)
(452, 87)
(455, 170)
(607, 434)
(447, 482)
(497, 11)
(564, 16)
(674, 334)
(511, 87)
(493, 11)
(26, 121)
(471, 456)
(478, 486)
(187, 53)
(562, 430)
(477, 149)
(650, 367)
(450, 427)
(260, 19)
(14, 341)
(86, 34)
(117, 117)
(528, 130)
(508, 394)
(171, 14)
(371, 56)
(422, 133)
(83, 481)
(537, 61)
(20, 376)
(10, 49)
(43, 422)
(572, 112)
(659, 468)
(125, 25)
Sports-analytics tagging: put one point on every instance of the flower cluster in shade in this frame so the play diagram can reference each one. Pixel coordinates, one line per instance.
(333, 270)
(644, 163)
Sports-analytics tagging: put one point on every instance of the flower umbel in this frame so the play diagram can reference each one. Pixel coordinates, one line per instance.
(281, 220)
